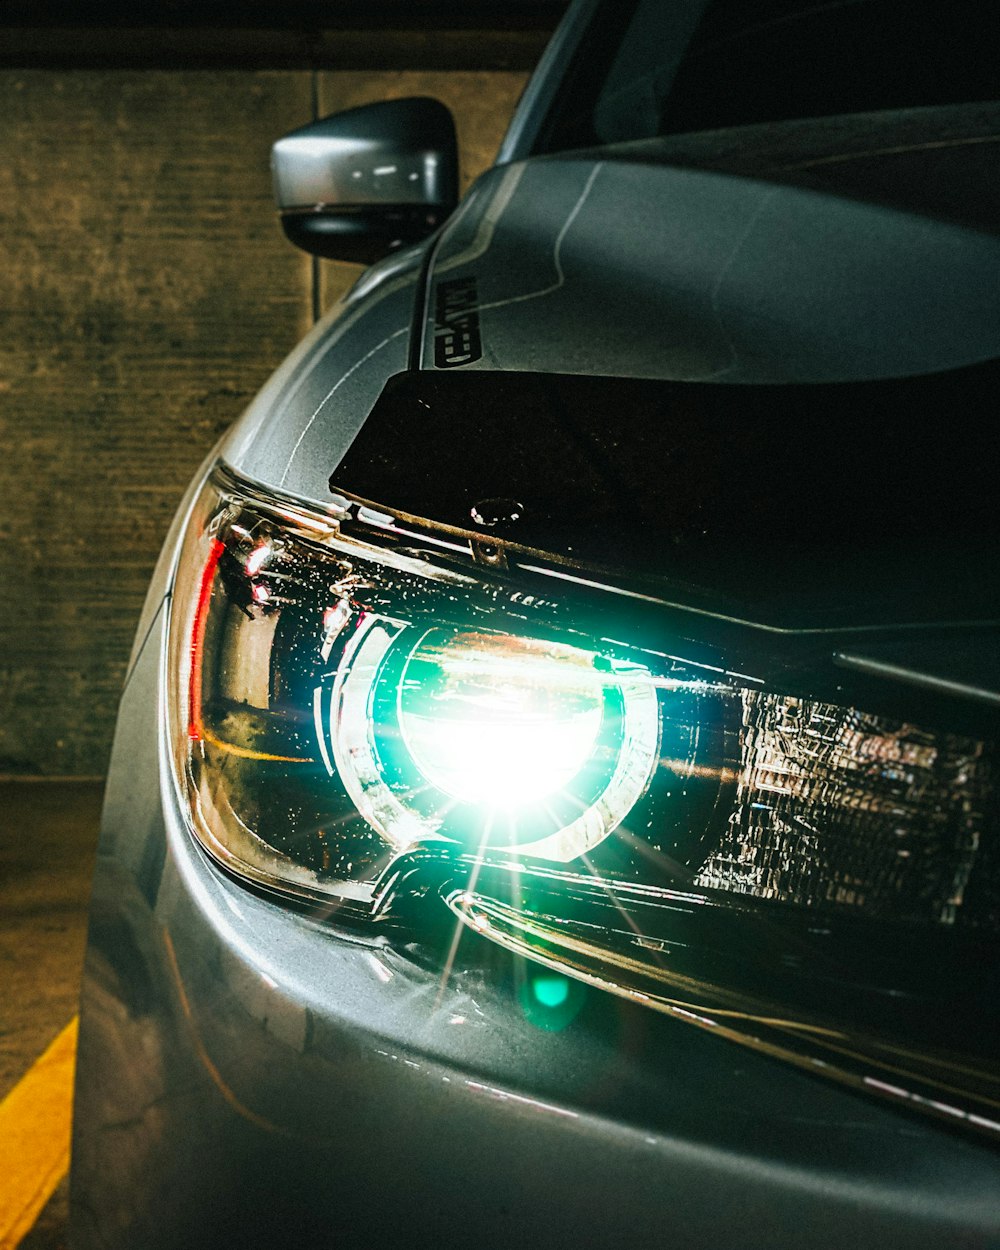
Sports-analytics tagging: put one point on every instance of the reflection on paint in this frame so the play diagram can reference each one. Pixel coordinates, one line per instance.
(549, 1000)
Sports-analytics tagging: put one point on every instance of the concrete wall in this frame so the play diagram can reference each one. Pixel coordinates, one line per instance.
(147, 294)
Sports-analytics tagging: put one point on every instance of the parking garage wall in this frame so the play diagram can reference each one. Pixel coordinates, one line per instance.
(148, 292)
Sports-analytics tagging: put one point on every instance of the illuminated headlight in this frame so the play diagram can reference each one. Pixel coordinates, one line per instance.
(450, 732)
(507, 722)
(340, 706)
(359, 715)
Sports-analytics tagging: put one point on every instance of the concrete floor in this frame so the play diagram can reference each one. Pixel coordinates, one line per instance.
(48, 837)
(49, 1232)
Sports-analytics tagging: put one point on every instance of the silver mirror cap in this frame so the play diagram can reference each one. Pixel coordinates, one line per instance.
(397, 152)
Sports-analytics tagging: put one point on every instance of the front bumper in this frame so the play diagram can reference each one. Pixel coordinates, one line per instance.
(250, 1076)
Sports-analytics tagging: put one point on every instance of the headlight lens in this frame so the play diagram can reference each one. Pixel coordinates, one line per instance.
(504, 721)
(436, 731)
(796, 873)
(339, 706)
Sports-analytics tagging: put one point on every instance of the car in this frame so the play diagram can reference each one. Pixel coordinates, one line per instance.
(555, 792)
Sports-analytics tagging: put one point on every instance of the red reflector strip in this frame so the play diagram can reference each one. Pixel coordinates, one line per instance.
(198, 640)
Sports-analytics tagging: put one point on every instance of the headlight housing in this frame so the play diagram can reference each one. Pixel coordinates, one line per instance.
(338, 706)
(360, 712)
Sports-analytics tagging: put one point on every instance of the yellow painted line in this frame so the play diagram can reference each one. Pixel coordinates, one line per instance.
(34, 1137)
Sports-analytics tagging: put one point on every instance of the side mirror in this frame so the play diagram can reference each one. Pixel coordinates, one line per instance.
(356, 185)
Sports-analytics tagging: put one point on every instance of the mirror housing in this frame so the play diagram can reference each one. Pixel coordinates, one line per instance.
(356, 185)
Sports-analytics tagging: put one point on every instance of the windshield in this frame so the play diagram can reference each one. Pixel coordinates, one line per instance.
(656, 67)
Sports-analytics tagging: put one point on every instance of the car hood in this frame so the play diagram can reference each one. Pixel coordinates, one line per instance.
(795, 506)
(838, 249)
(818, 301)
(829, 284)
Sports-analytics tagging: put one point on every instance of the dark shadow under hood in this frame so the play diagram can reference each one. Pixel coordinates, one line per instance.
(837, 505)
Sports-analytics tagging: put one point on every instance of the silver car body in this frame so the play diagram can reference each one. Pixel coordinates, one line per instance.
(250, 1075)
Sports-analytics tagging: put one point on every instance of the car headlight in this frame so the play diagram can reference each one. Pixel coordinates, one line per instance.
(362, 713)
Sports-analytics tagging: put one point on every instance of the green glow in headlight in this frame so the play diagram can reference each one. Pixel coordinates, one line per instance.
(456, 733)
(499, 721)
